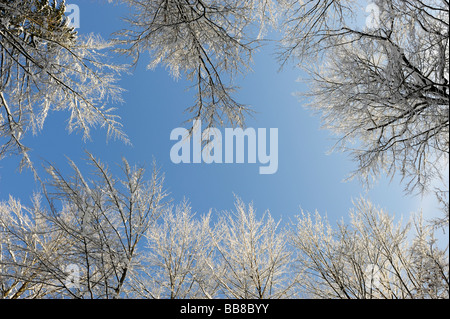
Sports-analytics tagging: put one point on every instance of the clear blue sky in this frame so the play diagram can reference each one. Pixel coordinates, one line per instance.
(154, 105)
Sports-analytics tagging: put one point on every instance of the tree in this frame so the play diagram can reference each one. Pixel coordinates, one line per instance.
(208, 41)
(117, 239)
(106, 219)
(253, 256)
(370, 258)
(384, 87)
(45, 66)
(30, 246)
(86, 244)
(179, 250)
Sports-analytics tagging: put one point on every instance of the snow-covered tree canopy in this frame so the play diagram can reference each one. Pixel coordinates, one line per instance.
(108, 236)
(383, 88)
(46, 66)
(209, 42)
(382, 85)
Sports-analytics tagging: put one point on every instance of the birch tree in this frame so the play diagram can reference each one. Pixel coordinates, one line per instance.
(46, 66)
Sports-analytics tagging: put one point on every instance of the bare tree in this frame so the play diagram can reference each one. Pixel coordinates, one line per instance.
(105, 219)
(94, 247)
(372, 257)
(178, 252)
(208, 41)
(45, 66)
(383, 87)
(30, 246)
(253, 258)
(87, 243)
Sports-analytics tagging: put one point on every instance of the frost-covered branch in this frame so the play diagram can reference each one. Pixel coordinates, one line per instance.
(371, 257)
(45, 66)
(382, 88)
(208, 41)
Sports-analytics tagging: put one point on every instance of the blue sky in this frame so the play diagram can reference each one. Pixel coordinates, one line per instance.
(154, 105)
